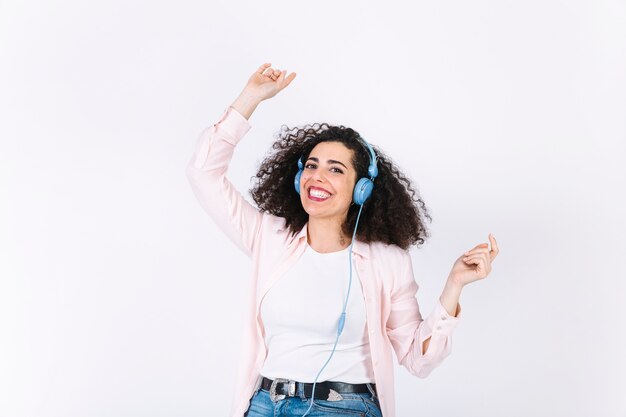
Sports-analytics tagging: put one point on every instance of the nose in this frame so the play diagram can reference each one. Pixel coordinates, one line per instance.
(317, 176)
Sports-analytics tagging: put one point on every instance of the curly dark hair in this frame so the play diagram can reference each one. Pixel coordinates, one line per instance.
(394, 213)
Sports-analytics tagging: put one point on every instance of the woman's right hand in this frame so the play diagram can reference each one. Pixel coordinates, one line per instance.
(265, 83)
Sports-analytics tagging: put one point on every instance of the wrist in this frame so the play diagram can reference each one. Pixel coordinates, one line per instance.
(246, 103)
(453, 283)
(450, 296)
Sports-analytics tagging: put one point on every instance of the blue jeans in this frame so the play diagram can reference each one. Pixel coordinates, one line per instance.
(362, 405)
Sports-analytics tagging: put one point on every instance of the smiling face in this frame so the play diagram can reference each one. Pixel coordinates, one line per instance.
(327, 181)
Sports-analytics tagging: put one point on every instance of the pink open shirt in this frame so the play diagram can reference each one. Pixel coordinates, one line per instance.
(394, 320)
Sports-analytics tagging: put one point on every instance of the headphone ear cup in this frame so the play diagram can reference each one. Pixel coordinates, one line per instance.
(362, 191)
(296, 181)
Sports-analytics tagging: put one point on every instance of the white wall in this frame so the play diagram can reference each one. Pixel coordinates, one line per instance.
(509, 116)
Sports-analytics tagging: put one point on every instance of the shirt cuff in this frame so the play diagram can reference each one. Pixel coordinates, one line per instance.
(233, 125)
(441, 322)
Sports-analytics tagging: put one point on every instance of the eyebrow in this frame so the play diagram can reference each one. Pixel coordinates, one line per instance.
(330, 161)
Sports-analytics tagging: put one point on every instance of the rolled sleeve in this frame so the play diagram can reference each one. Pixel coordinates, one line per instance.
(440, 321)
(234, 125)
(407, 331)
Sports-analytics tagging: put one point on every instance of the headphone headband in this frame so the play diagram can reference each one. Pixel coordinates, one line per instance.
(372, 170)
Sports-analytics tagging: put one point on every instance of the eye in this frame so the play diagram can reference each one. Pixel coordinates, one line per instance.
(337, 170)
(310, 166)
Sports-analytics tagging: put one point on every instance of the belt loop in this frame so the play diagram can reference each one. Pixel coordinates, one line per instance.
(370, 387)
(300, 390)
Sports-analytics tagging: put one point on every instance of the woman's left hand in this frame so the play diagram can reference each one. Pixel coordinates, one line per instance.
(475, 264)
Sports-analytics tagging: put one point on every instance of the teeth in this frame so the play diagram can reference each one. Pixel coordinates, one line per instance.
(319, 194)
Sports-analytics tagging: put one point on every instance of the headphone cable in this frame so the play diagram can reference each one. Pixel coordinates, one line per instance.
(342, 318)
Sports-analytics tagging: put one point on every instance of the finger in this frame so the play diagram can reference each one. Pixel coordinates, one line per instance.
(289, 79)
(477, 250)
(280, 78)
(263, 67)
(268, 72)
(483, 265)
(479, 256)
(494, 246)
(284, 81)
(481, 245)
(472, 259)
(274, 74)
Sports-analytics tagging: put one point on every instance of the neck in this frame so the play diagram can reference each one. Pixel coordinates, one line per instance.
(324, 235)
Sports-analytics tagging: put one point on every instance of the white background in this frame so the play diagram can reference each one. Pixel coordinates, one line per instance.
(120, 297)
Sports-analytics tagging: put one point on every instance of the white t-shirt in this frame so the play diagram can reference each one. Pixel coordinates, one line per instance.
(300, 314)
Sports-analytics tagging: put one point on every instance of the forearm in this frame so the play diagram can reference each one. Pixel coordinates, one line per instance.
(450, 296)
(245, 104)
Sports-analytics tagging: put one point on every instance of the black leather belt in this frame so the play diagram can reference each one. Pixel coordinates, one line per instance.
(280, 388)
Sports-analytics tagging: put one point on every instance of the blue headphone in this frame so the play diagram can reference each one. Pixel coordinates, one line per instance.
(364, 186)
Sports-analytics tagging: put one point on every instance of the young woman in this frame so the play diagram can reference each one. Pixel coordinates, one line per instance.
(331, 208)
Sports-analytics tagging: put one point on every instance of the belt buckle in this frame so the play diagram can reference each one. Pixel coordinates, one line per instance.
(276, 397)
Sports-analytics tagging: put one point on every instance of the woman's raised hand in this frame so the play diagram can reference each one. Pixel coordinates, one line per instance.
(475, 264)
(264, 83)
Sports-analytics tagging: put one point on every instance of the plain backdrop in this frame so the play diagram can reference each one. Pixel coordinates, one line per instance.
(120, 297)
